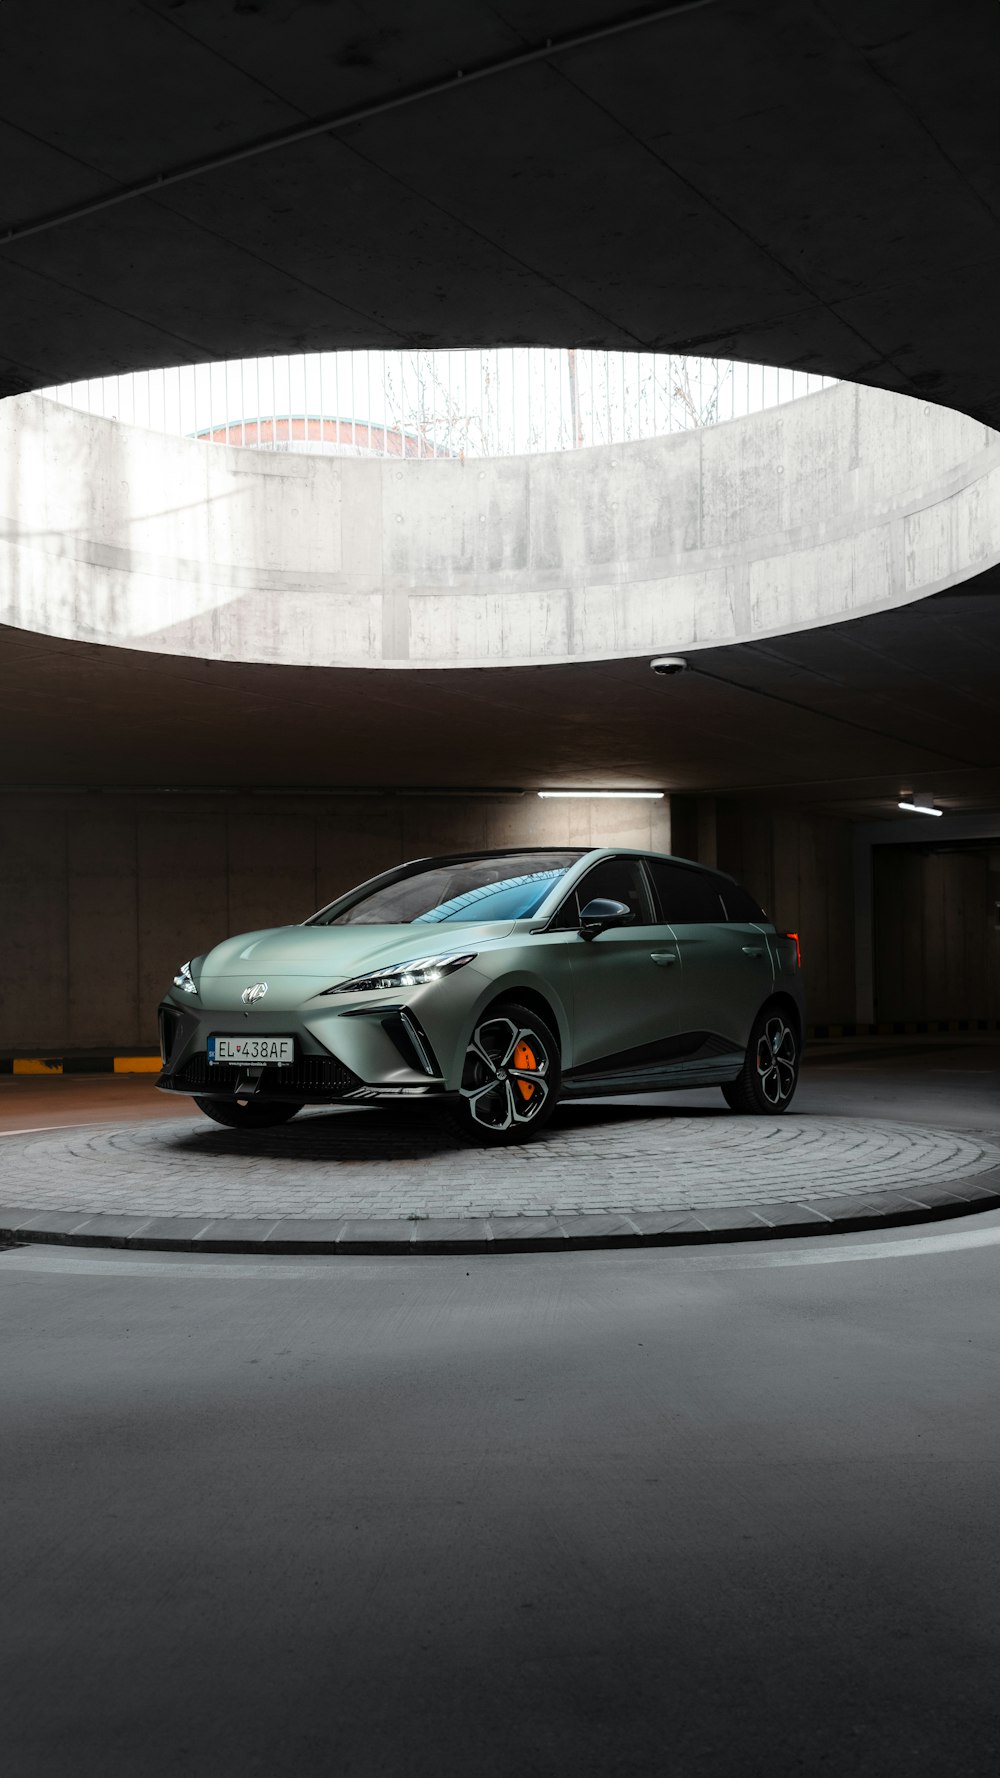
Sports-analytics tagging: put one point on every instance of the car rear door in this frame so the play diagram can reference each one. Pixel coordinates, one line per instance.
(726, 970)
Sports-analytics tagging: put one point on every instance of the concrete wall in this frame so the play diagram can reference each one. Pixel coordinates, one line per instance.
(846, 502)
(937, 937)
(101, 896)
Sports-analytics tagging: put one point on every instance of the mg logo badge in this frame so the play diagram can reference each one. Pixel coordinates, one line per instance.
(252, 995)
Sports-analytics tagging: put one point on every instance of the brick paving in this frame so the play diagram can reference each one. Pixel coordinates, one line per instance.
(615, 1173)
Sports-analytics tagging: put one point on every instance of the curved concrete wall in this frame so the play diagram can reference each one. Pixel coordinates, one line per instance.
(838, 504)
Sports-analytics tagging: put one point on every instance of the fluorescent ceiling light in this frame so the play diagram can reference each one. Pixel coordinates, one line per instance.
(920, 808)
(652, 796)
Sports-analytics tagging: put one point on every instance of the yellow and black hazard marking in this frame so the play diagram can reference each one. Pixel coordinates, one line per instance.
(143, 1062)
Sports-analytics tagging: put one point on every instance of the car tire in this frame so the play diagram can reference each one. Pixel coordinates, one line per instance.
(770, 1073)
(247, 1116)
(511, 1077)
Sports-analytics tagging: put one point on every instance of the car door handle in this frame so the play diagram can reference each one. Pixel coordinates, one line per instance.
(664, 957)
(753, 950)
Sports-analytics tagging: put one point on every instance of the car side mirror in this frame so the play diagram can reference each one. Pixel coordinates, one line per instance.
(600, 913)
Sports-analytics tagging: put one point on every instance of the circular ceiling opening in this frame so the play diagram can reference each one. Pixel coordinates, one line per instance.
(496, 402)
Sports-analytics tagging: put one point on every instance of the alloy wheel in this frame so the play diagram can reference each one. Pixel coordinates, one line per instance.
(777, 1059)
(505, 1078)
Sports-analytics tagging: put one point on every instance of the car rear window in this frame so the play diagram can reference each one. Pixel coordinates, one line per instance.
(739, 903)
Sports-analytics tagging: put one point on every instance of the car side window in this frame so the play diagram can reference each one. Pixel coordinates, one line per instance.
(614, 879)
(686, 897)
(740, 905)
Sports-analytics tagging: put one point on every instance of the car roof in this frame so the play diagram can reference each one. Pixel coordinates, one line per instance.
(590, 853)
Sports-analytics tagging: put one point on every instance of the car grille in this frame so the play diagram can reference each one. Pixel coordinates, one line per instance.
(306, 1075)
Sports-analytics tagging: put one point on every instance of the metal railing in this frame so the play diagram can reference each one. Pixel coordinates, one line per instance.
(499, 402)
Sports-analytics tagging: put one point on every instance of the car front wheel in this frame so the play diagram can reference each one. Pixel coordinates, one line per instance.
(244, 1114)
(511, 1077)
(770, 1070)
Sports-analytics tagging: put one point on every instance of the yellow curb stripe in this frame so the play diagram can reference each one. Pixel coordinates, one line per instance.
(138, 1065)
(36, 1065)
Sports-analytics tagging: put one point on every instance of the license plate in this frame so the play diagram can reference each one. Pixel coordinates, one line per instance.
(251, 1051)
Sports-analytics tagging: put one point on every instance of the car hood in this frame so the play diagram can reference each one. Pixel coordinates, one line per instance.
(339, 952)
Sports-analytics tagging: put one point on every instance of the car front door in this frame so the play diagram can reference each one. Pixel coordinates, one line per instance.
(624, 993)
(726, 972)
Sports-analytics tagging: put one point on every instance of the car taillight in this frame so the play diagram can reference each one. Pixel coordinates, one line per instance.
(798, 949)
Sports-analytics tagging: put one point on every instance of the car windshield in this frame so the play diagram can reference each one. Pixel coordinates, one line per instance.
(467, 890)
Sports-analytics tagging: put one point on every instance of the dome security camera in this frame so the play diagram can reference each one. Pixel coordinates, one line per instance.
(666, 665)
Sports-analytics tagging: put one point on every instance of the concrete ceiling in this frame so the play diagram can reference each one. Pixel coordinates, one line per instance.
(844, 717)
(775, 180)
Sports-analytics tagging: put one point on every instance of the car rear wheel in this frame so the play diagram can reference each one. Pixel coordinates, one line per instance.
(511, 1077)
(244, 1114)
(770, 1070)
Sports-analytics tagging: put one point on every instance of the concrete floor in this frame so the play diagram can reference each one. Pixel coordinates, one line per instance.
(727, 1512)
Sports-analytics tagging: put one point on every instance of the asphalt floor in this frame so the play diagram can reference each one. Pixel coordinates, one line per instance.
(728, 1513)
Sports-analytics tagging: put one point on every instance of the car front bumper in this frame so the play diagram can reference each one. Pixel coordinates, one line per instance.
(366, 1052)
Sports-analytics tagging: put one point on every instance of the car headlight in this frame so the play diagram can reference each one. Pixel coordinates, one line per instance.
(404, 975)
(185, 980)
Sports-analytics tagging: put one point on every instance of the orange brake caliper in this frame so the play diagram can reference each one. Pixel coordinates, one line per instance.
(524, 1057)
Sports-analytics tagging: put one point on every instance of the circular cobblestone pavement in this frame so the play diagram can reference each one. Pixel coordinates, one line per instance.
(399, 1164)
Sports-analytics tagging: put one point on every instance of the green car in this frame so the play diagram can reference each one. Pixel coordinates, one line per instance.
(496, 983)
